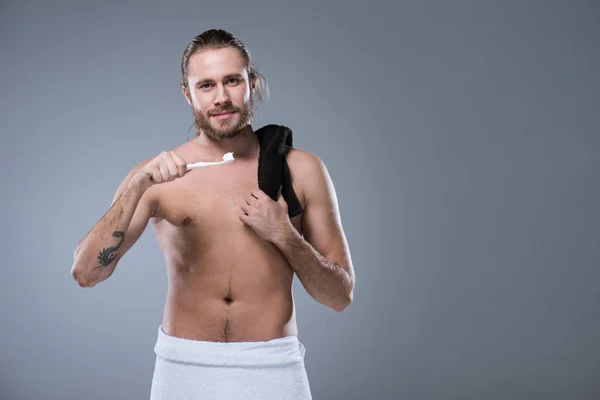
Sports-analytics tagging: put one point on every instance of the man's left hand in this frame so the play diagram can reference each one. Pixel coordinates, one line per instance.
(266, 217)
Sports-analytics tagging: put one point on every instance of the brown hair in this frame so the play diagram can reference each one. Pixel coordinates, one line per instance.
(219, 39)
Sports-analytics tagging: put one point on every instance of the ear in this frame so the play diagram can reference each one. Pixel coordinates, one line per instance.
(186, 95)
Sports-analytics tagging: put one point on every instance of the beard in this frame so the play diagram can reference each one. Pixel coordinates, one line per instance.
(223, 129)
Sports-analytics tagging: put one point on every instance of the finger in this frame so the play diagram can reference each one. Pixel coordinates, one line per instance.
(251, 200)
(172, 167)
(281, 200)
(154, 173)
(258, 194)
(180, 163)
(246, 208)
(176, 157)
(150, 172)
(164, 171)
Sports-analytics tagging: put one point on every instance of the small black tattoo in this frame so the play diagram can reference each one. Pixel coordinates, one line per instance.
(108, 255)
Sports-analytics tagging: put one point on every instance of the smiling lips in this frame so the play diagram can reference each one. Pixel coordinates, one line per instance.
(224, 115)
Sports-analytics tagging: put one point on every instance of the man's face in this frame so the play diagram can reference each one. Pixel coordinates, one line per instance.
(219, 92)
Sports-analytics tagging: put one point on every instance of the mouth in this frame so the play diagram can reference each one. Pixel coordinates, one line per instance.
(224, 115)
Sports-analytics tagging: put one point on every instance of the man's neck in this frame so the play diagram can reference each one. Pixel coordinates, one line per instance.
(243, 145)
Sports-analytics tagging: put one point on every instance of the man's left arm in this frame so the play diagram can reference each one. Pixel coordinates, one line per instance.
(321, 259)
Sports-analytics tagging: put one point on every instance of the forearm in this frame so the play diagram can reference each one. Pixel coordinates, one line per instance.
(329, 283)
(97, 253)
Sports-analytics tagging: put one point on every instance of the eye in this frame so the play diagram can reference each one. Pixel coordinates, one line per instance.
(233, 80)
(203, 86)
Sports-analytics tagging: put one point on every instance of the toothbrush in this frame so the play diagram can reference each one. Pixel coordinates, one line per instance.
(227, 158)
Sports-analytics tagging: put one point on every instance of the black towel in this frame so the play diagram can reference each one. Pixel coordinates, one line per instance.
(273, 170)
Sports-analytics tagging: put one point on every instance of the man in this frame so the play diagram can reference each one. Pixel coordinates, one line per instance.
(229, 327)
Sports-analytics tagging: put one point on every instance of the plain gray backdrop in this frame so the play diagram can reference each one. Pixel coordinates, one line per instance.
(462, 138)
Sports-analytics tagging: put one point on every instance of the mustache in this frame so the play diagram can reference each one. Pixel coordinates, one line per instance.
(224, 110)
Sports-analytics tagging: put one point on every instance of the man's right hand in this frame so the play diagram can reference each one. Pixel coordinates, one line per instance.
(165, 167)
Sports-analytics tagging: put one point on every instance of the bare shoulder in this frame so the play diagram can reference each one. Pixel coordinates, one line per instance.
(309, 173)
(302, 162)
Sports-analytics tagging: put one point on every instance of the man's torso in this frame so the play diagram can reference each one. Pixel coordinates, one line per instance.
(225, 283)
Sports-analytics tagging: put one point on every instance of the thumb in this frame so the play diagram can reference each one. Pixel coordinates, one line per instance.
(280, 198)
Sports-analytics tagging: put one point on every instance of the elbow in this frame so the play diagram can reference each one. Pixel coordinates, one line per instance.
(348, 297)
(80, 278)
(344, 303)
(78, 272)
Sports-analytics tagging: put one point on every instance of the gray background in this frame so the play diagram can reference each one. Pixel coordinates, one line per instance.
(462, 138)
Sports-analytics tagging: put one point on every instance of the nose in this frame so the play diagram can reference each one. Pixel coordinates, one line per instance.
(222, 97)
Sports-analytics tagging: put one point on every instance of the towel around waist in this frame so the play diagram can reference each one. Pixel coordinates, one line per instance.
(271, 353)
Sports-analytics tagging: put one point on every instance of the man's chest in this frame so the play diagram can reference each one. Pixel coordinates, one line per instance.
(205, 200)
(212, 198)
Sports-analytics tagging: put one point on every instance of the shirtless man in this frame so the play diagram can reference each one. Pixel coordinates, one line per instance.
(230, 250)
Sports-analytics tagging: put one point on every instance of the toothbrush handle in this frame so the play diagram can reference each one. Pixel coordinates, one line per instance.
(199, 165)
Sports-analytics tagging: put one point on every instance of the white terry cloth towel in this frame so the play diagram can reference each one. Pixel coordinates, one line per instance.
(191, 369)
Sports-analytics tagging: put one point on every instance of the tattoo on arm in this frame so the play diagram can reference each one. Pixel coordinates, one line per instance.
(107, 256)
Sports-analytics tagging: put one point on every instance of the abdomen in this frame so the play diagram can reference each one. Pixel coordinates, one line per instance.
(230, 286)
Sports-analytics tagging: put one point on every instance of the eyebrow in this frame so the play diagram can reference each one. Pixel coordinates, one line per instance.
(228, 76)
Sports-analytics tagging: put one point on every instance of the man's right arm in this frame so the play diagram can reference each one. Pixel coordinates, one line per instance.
(98, 253)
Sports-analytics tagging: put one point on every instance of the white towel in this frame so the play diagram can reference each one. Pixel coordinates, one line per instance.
(191, 369)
